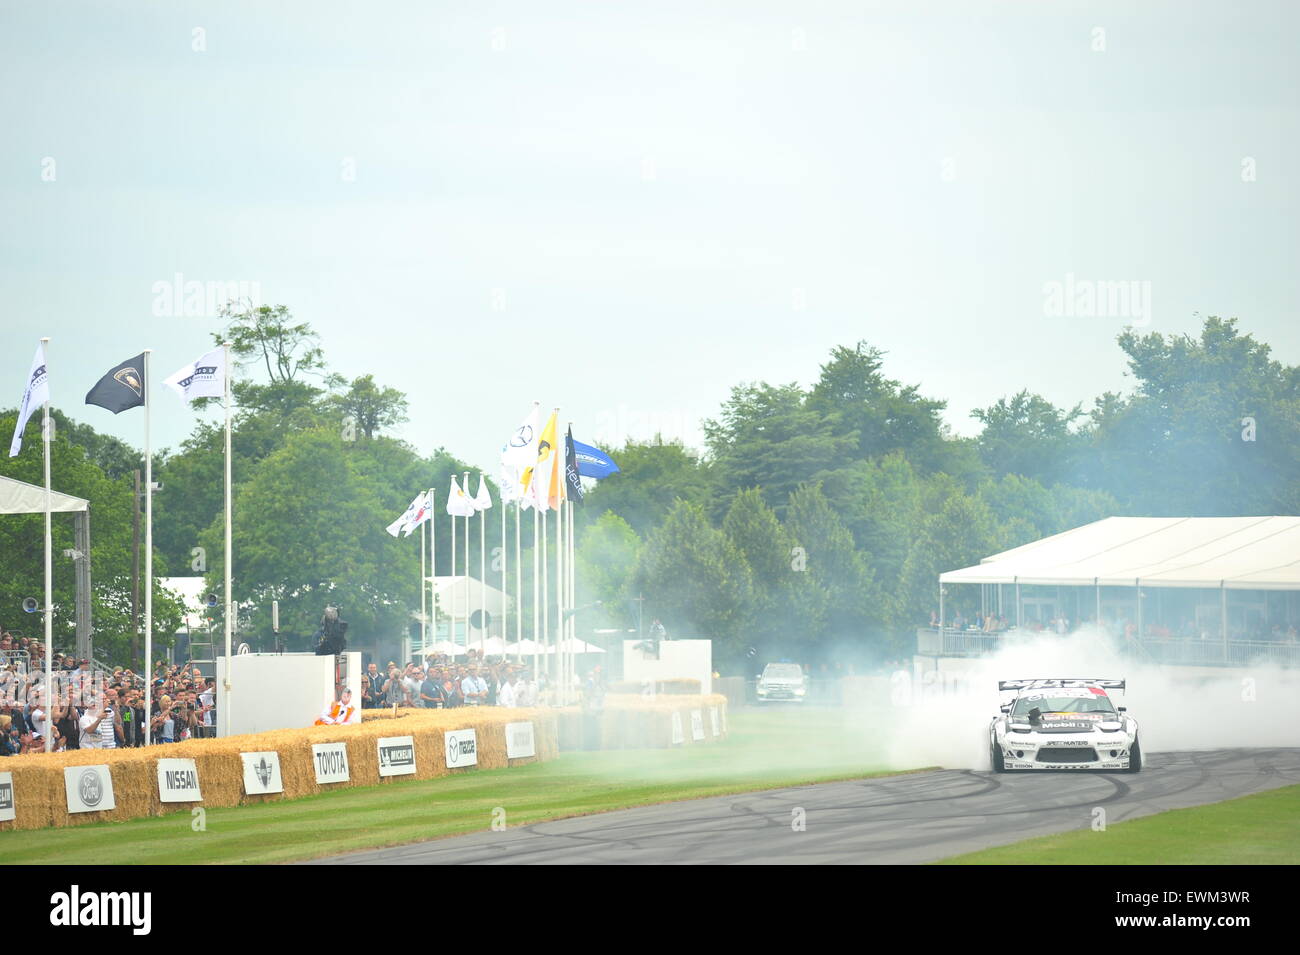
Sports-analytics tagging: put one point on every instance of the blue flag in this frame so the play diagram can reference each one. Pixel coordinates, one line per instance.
(593, 462)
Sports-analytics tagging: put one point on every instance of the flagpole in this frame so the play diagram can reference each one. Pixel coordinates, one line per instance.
(482, 577)
(546, 606)
(463, 486)
(433, 563)
(424, 633)
(519, 584)
(559, 601)
(229, 557)
(572, 559)
(49, 545)
(148, 549)
(451, 626)
(537, 599)
(505, 577)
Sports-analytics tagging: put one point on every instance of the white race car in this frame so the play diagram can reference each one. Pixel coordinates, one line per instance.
(1063, 724)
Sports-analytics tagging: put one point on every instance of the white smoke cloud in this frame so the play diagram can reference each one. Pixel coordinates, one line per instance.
(941, 718)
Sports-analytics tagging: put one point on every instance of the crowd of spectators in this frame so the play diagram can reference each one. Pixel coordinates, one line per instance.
(85, 707)
(441, 683)
(1155, 629)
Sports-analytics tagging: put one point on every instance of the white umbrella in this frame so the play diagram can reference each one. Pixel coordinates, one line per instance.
(525, 647)
(445, 647)
(577, 646)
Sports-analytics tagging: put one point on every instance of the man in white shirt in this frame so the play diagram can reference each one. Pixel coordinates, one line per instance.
(506, 693)
(525, 693)
(411, 684)
(473, 688)
(36, 719)
(90, 723)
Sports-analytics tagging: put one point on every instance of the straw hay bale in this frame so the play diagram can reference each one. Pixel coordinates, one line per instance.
(40, 800)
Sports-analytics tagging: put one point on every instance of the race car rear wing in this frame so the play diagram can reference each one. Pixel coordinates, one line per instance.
(1061, 683)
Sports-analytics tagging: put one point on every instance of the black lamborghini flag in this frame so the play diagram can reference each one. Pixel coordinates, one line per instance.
(572, 482)
(121, 388)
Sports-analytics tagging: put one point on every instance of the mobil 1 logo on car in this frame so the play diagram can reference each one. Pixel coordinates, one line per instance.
(462, 748)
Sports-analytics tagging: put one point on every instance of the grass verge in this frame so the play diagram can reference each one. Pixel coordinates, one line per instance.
(766, 749)
(1263, 829)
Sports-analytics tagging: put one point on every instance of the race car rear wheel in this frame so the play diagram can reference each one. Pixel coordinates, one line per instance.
(995, 757)
(1135, 758)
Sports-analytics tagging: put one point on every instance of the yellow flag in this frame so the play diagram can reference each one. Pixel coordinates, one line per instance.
(538, 479)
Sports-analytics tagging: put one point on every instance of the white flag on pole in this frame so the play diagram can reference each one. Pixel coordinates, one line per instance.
(202, 378)
(416, 513)
(482, 500)
(459, 504)
(519, 453)
(35, 394)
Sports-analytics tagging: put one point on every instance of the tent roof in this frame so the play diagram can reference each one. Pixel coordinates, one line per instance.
(1239, 553)
(19, 497)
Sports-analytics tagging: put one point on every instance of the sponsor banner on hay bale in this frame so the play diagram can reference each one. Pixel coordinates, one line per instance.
(643, 722)
(6, 797)
(178, 781)
(396, 755)
(262, 773)
(519, 740)
(461, 748)
(330, 761)
(34, 789)
(88, 788)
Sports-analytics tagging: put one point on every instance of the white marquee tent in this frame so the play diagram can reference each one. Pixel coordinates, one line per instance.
(1234, 553)
(18, 497)
(1246, 556)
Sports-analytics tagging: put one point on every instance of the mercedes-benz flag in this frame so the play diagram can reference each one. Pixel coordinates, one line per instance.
(122, 387)
(202, 378)
(35, 394)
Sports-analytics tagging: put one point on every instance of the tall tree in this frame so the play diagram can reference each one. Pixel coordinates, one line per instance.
(1028, 435)
(695, 579)
(652, 476)
(367, 407)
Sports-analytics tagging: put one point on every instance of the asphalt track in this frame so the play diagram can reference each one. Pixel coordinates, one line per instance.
(915, 818)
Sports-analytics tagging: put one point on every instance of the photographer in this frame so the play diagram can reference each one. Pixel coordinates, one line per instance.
(169, 721)
(65, 717)
(92, 723)
(133, 720)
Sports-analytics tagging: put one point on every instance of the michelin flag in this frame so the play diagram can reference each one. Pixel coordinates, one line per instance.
(593, 462)
(204, 378)
(35, 394)
(121, 388)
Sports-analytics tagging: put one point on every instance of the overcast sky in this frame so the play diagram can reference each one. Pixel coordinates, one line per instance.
(625, 209)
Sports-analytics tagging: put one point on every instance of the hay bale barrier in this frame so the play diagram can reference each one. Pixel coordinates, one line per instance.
(628, 721)
(641, 722)
(40, 798)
